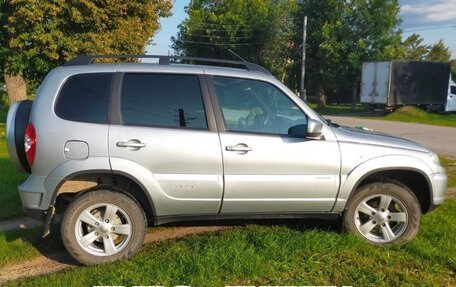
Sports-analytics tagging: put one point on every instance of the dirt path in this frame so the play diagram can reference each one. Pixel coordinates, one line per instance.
(60, 261)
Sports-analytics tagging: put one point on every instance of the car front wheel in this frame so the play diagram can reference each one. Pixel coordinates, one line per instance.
(383, 213)
(103, 226)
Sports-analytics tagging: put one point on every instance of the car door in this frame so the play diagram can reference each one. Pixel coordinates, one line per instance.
(265, 169)
(451, 100)
(164, 139)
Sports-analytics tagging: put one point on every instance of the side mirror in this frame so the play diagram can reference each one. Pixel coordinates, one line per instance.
(298, 131)
(311, 130)
(314, 129)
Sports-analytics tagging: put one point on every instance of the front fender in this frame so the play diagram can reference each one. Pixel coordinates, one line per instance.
(350, 181)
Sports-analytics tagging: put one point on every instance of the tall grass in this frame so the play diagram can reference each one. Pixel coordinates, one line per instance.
(281, 255)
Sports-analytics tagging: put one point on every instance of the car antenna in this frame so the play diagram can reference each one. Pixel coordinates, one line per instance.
(237, 56)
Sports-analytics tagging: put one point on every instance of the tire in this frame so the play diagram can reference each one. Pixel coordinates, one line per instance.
(16, 125)
(93, 237)
(383, 213)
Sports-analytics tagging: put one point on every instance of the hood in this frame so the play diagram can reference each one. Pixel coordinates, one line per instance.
(354, 135)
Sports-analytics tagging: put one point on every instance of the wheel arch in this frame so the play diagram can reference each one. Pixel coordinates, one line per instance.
(413, 179)
(85, 181)
(406, 170)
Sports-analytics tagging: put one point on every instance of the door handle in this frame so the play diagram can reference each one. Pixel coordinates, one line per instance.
(131, 144)
(239, 148)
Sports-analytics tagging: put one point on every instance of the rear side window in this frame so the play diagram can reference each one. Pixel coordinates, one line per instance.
(162, 100)
(84, 98)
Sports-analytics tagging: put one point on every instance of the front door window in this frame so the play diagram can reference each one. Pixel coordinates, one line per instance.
(255, 106)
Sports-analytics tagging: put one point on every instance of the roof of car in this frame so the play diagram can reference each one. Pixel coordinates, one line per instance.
(171, 61)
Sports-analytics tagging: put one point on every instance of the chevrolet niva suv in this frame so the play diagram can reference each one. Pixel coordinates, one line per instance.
(118, 146)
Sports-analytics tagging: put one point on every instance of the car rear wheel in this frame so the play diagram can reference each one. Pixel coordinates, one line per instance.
(383, 213)
(103, 226)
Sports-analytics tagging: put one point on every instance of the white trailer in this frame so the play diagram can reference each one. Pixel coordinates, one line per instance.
(395, 83)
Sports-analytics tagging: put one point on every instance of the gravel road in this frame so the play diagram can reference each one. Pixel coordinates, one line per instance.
(441, 140)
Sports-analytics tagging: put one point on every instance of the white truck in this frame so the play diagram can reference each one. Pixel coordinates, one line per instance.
(391, 84)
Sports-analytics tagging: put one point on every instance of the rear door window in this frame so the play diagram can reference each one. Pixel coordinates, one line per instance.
(162, 100)
(84, 98)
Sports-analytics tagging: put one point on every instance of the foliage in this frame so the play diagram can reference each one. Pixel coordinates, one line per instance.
(285, 254)
(413, 48)
(342, 35)
(37, 36)
(256, 30)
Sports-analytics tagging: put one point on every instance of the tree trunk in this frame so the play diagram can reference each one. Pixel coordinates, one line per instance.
(321, 98)
(15, 87)
(353, 97)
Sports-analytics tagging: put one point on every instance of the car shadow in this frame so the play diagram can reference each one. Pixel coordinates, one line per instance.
(299, 224)
(52, 247)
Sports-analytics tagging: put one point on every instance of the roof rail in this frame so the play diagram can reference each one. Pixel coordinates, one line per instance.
(165, 60)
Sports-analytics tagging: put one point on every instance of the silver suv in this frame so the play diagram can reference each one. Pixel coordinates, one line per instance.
(115, 147)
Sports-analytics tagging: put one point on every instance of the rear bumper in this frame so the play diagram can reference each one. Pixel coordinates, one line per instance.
(32, 193)
(36, 213)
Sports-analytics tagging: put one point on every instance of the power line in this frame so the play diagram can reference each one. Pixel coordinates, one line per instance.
(428, 28)
(226, 30)
(224, 44)
(233, 24)
(215, 36)
(222, 25)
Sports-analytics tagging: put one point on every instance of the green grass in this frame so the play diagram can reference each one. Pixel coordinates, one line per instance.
(450, 166)
(404, 114)
(3, 113)
(22, 245)
(337, 109)
(281, 255)
(10, 203)
(415, 115)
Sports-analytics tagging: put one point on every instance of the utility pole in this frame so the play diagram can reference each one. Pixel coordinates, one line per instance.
(303, 93)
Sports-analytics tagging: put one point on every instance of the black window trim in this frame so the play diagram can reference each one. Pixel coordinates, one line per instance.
(116, 112)
(220, 119)
(110, 89)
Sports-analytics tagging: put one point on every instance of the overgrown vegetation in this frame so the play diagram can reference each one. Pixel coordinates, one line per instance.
(450, 166)
(284, 254)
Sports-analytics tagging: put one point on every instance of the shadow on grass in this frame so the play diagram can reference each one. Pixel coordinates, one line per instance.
(52, 247)
(298, 224)
(32, 243)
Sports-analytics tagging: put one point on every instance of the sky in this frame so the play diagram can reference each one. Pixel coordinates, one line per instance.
(432, 19)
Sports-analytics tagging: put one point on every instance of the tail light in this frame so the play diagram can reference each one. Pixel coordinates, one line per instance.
(30, 143)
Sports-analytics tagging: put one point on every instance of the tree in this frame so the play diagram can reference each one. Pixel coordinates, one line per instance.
(256, 30)
(37, 36)
(439, 52)
(341, 35)
(413, 49)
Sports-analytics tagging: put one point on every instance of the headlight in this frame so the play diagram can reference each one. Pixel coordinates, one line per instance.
(434, 158)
